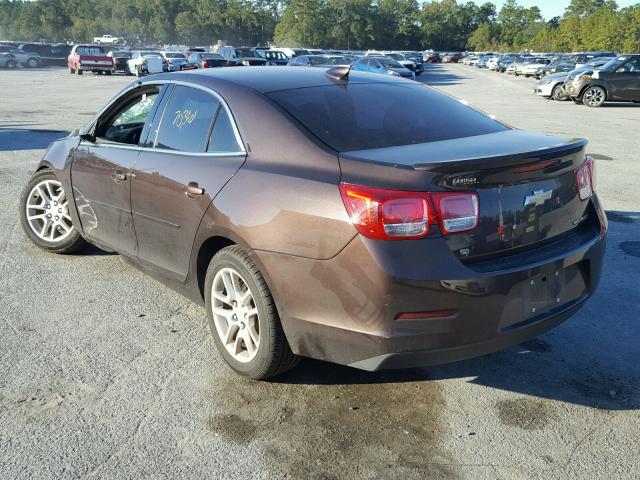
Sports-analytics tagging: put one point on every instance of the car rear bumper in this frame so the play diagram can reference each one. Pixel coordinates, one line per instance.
(345, 310)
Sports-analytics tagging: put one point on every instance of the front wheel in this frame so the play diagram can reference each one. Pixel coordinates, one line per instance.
(594, 96)
(44, 215)
(558, 93)
(243, 318)
(32, 63)
(11, 64)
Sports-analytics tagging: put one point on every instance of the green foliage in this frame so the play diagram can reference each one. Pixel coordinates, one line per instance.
(341, 24)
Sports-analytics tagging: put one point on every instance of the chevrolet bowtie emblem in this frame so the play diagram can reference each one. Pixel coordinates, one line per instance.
(538, 197)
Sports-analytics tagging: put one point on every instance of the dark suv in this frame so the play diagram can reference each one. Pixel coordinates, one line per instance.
(618, 80)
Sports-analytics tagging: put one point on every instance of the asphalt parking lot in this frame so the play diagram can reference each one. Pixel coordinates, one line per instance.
(106, 373)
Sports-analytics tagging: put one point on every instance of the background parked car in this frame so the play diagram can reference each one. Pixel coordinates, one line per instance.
(320, 61)
(144, 62)
(431, 57)
(49, 53)
(274, 57)
(174, 61)
(618, 80)
(89, 58)
(26, 59)
(529, 66)
(246, 56)
(209, 60)
(382, 65)
(414, 66)
(120, 58)
(452, 57)
(7, 60)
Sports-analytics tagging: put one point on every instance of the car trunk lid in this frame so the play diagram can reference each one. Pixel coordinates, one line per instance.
(526, 184)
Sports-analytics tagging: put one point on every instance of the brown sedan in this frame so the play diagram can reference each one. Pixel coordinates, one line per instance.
(357, 218)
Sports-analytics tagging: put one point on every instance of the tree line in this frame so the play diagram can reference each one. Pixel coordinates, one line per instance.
(338, 24)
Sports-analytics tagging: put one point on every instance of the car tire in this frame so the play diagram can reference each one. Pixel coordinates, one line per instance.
(558, 93)
(108, 72)
(594, 96)
(32, 62)
(11, 64)
(232, 272)
(576, 100)
(44, 193)
(79, 72)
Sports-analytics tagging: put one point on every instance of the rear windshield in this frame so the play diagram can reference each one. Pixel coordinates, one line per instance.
(377, 115)
(90, 50)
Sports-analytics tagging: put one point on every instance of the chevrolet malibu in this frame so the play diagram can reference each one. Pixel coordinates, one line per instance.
(357, 218)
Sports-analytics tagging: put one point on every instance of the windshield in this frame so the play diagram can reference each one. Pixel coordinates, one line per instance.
(244, 52)
(361, 116)
(150, 54)
(173, 55)
(611, 65)
(395, 56)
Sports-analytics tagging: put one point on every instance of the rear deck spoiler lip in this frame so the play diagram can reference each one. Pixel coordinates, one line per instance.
(505, 160)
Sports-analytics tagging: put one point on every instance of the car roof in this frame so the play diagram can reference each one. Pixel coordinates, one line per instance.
(273, 78)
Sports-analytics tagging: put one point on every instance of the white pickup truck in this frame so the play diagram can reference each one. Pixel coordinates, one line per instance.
(107, 40)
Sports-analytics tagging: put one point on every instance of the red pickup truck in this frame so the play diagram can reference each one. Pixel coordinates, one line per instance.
(89, 58)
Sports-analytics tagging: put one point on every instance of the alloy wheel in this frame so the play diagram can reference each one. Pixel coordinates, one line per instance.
(593, 97)
(235, 315)
(48, 213)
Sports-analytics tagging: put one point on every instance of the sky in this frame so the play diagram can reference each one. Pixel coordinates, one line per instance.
(552, 8)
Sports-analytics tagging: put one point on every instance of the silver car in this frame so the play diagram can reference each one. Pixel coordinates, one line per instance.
(26, 59)
(174, 61)
(7, 60)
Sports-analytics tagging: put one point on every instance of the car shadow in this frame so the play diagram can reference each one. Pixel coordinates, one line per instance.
(438, 74)
(620, 105)
(590, 360)
(12, 138)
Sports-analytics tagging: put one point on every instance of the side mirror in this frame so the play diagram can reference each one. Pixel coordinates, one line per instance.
(88, 136)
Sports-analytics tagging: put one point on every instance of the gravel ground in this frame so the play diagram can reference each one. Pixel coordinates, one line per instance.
(106, 373)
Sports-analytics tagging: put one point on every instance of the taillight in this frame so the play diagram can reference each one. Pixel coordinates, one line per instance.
(205, 64)
(585, 179)
(457, 212)
(396, 215)
(387, 214)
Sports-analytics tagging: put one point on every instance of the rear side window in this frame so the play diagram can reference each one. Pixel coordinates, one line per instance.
(378, 115)
(223, 137)
(187, 120)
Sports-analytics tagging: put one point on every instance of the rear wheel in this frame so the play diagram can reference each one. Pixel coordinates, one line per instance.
(594, 96)
(243, 318)
(44, 215)
(32, 62)
(11, 64)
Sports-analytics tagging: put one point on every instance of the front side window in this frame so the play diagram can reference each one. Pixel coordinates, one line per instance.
(126, 123)
(187, 120)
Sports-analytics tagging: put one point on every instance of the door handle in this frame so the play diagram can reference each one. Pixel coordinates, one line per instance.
(119, 177)
(192, 188)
